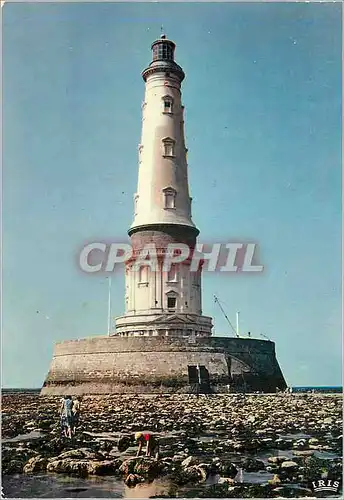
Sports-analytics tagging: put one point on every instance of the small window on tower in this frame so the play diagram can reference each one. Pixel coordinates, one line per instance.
(155, 52)
(143, 274)
(169, 198)
(168, 147)
(136, 198)
(173, 273)
(171, 302)
(167, 104)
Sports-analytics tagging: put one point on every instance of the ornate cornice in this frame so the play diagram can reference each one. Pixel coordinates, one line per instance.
(163, 227)
(177, 70)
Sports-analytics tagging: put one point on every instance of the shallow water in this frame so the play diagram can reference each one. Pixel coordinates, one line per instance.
(260, 477)
(62, 486)
(295, 436)
(326, 455)
(24, 437)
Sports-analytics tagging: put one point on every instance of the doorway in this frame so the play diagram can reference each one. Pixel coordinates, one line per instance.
(199, 379)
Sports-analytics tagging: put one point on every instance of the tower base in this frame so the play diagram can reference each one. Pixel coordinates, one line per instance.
(164, 324)
(117, 365)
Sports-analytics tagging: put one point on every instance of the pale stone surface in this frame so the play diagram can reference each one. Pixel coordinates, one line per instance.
(157, 364)
(162, 215)
(157, 171)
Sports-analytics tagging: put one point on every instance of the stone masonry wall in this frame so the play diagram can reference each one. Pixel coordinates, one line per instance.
(113, 364)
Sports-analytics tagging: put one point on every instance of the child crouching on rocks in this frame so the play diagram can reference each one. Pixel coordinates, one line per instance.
(152, 445)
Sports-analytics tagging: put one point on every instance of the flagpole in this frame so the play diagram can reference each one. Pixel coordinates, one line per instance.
(237, 323)
(109, 307)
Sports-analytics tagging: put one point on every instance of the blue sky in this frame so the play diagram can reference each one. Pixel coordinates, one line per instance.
(263, 127)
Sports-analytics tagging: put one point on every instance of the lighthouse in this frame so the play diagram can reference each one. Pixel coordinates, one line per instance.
(161, 302)
(162, 343)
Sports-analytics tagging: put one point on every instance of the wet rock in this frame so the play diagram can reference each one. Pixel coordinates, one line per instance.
(133, 479)
(12, 467)
(303, 453)
(277, 460)
(142, 466)
(314, 447)
(228, 469)
(124, 443)
(292, 492)
(149, 469)
(54, 446)
(258, 491)
(252, 465)
(226, 480)
(190, 475)
(105, 467)
(71, 454)
(68, 466)
(268, 442)
(300, 444)
(83, 468)
(82, 453)
(45, 424)
(289, 465)
(189, 461)
(35, 464)
(202, 472)
(275, 480)
(283, 444)
(221, 490)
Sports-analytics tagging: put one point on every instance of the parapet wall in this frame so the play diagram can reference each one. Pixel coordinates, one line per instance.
(136, 365)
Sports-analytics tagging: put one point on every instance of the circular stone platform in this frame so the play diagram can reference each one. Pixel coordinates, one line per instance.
(99, 365)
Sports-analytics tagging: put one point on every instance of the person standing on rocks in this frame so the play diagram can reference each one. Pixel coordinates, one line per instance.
(152, 446)
(66, 416)
(75, 413)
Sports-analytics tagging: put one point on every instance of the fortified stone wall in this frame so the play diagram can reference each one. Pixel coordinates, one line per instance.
(115, 364)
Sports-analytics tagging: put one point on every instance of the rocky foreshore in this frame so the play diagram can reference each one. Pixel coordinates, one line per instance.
(208, 446)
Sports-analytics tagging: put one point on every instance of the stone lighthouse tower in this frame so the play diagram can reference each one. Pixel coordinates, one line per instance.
(161, 302)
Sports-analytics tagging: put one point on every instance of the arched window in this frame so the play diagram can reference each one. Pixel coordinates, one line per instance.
(140, 149)
(143, 274)
(173, 273)
(136, 198)
(168, 147)
(169, 198)
(167, 104)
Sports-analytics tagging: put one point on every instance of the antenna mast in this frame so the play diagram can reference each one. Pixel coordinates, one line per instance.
(225, 315)
(109, 306)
